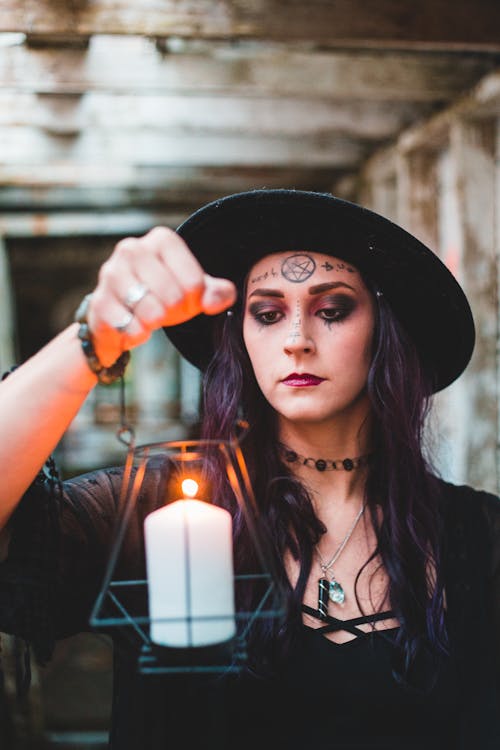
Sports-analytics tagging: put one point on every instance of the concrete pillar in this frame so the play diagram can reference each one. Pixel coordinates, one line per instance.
(445, 195)
(450, 419)
(416, 195)
(497, 254)
(428, 208)
(472, 146)
(378, 184)
(7, 356)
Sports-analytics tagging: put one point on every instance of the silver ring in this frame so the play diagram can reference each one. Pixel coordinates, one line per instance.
(126, 321)
(134, 295)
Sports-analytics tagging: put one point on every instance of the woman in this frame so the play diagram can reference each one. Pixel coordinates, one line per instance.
(340, 326)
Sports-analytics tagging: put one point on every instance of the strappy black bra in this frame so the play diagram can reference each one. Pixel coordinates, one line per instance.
(333, 624)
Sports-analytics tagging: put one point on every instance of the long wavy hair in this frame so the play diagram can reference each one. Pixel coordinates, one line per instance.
(408, 532)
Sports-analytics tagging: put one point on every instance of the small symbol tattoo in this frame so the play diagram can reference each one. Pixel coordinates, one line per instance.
(338, 266)
(264, 276)
(297, 322)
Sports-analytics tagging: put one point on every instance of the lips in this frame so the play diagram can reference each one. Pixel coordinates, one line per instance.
(304, 379)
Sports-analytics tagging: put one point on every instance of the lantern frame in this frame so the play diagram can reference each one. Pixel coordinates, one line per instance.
(230, 656)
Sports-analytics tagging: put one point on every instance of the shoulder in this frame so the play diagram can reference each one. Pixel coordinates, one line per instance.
(470, 514)
(95, 486)
(106, 490)
(469, 498)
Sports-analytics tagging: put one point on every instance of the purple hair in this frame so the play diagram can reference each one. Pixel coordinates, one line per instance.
(399, 480)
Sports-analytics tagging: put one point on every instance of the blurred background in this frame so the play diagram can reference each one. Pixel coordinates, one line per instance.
(118, 115)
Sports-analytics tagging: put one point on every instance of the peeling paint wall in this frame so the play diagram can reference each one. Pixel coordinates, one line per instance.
(446, 189)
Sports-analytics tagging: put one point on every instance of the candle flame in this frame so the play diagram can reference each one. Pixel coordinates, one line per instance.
(189, 487)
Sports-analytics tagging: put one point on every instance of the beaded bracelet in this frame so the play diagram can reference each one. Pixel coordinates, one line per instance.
(105, 375)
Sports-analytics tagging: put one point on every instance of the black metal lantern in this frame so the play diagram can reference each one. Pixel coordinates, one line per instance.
(184, 609)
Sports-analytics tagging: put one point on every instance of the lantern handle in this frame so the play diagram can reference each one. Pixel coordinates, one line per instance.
(125, 432)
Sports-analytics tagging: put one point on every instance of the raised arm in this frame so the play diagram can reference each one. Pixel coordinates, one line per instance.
(40, 398)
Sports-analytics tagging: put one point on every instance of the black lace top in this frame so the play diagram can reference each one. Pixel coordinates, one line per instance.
(328, 695)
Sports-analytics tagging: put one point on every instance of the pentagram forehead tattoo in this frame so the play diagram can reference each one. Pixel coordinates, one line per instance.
(299, 267)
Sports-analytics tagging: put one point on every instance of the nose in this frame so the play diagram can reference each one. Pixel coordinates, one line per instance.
(298, 341)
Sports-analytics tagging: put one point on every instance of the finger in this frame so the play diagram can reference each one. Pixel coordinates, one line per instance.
(114, 328)
(176, 256)
(148, 308)
(164, 263)
(136, 262)
(218, 295)
(168, 245)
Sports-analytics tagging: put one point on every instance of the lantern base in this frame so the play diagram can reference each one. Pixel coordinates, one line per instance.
(219, 657)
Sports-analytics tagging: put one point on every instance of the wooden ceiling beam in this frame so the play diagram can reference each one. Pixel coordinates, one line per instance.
(83, 223)
(202, 115)
(104, 185)
(31, 146)
(428, 24)
(66, 41)
(133, 65)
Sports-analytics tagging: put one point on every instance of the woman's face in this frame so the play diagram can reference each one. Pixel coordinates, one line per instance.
(308, 329)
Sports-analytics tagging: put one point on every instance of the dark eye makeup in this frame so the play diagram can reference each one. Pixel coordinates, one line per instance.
(335, 309)
(264, 314)
(331, 309)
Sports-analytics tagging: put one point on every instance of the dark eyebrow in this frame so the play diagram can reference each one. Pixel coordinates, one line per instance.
(313, 290)
(266, 293)
(329, 285)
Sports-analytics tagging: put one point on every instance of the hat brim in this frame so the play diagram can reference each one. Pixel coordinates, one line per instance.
(230, 235)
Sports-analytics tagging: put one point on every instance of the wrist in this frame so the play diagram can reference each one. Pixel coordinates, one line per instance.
(104, 374)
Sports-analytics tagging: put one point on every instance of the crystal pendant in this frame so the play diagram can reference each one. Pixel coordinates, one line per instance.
(336, 593)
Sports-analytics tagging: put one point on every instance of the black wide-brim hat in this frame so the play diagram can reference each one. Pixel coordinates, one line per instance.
(228, 236)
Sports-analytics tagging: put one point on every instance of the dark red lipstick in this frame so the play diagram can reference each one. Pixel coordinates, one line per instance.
(298, 380)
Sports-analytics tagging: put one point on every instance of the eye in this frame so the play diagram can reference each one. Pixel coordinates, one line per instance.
(331, 313)
(268, 317)
(335, 309)
(264, 313)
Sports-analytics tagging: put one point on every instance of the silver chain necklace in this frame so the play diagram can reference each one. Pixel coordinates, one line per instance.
(330, 588)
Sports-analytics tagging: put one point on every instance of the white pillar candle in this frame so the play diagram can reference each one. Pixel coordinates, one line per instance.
(190, 573)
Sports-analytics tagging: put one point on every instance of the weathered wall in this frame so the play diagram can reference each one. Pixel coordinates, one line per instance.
(444, 181)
